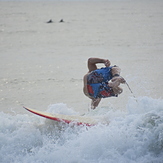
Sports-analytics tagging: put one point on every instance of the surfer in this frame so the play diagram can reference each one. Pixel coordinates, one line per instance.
(102, 83)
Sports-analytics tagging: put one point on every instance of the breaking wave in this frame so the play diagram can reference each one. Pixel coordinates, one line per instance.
(135, 135)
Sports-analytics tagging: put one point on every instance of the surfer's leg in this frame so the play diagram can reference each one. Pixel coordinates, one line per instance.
(116, 70)
(91, 65)
(95, 103)
(93, 61)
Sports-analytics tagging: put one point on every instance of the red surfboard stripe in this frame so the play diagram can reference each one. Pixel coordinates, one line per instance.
(59, 119)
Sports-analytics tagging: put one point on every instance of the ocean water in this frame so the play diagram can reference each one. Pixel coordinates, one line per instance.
(71, 0)
(133, 136)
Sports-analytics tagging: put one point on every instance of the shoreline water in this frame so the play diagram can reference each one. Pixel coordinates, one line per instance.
(43, 64)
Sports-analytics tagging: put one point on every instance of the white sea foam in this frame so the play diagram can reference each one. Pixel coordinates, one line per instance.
(132, 136)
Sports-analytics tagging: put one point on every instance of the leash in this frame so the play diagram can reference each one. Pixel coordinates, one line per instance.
(131, 91)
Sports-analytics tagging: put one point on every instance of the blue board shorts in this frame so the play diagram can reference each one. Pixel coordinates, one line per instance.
(97, 83)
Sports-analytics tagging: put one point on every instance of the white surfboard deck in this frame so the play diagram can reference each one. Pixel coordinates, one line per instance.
(78, 120)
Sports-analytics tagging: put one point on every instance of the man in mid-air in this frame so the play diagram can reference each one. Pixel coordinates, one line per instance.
(102, 83)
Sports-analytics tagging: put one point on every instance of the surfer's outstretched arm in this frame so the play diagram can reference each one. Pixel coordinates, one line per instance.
(93, 61)
(95, 103)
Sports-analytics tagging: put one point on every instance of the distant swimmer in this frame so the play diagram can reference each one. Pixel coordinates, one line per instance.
(50, 21)
(103, 82)
(61, 21)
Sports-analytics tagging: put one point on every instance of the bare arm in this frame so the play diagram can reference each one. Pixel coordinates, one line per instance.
(93, 61)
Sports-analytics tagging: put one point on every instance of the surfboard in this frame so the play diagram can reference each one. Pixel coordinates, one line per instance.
(74, 119)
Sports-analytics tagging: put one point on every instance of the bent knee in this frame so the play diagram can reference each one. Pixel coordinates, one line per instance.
(116, 70)
(90, 60)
